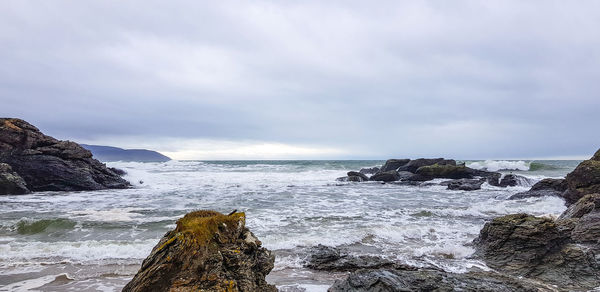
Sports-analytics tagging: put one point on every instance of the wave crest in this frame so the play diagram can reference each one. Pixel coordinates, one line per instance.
(496, 165)
(27, 227)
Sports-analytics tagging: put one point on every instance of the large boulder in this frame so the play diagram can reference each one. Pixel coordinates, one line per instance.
(10, 182)
(464, 184)
(413, 165)
(386, 176)
(430, 172)
(393, 164)
(545, 187)
(560, 252)
(369, 170)
(585, 179)
(207, 251)
(401, 280)
(511, 180)
(48, 164)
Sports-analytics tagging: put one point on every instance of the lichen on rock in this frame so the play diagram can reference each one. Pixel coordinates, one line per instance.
(207, 251)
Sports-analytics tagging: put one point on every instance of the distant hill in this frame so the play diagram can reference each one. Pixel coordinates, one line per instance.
(108, 154)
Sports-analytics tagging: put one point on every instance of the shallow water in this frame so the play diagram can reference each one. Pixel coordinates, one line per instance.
(95, 241)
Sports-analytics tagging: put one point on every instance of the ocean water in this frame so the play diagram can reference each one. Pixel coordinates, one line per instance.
(96, 240)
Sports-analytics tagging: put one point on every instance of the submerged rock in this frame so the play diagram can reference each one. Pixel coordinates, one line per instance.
(48, 164)
(10, 182)
(325, 258)
(397, 280)
(393, 164)
(545, 187)
(464, 184)
(511, 180)
(207, 251)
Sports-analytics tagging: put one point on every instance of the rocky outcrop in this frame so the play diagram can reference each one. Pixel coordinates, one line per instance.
(430, 172)
(561, 252)
(585, 179)
(397, 280)
(464, 184)
(48, 164)
(10, 182)
(393, 164)
(207, 251)
(413, 165)
(545, 187)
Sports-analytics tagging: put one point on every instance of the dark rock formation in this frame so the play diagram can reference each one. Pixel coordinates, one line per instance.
(413, 165)
(393, 164)
(511, 180)
(10, 182)
(560, 252)
(464, 184)
(47, 164)
(371, 170)
(396, 280)
(387, 176)
(585, 179)
(325, 258)
(360, 176)
(109, 153)
(545, 187)
(430, 172)
(207, 251)
(118, 171)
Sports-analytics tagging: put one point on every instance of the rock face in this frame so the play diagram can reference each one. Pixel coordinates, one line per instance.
(545, 187)
(207, 251)
(585, 179)
(413, 165)
(371, 170)
(443, 171)
(10, 182)
(397, 280)
(560, 252)
(47, 164)
(387, 176)
(393, 164)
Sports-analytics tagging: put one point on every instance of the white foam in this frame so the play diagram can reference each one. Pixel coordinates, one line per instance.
(495, 165)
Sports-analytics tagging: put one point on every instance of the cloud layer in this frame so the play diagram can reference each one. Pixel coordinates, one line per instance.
(342, 79)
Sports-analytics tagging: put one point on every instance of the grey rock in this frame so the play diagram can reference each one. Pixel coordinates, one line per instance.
(387, 176)
(545, 187)
(370, 170)
(393, 164)
(413, 165)
(511, 180)
(10, 182)
(464, 184)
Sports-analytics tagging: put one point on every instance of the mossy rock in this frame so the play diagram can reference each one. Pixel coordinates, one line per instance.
(445, 171)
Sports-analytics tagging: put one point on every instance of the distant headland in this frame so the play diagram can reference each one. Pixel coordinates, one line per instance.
(109, 154)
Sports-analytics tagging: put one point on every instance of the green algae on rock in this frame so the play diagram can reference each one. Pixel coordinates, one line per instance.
(207, 251)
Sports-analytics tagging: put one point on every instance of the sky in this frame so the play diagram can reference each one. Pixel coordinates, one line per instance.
(308, 79)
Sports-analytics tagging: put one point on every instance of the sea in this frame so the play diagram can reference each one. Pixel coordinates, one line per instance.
(96, 240)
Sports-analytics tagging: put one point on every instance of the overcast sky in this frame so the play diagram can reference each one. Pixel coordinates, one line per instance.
(308, 79)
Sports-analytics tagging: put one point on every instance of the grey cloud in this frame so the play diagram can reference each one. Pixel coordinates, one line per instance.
(494, 79)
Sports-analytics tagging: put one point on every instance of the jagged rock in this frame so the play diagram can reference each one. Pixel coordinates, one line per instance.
(325, 258)
(413, 165)
(47, 164)
(585, 179)
(359, 175)
(464, 184)
(545, 187)
(10, 182)
(397, 280)
(207, 251)
(511, 180)
(370, 170)
(387, 176)
(541, 248)
(118, 171)
(393, 164)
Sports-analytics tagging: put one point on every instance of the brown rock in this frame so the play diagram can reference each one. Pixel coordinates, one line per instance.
(207, 251)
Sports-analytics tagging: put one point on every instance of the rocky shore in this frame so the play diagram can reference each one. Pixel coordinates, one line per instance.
(32, 161)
